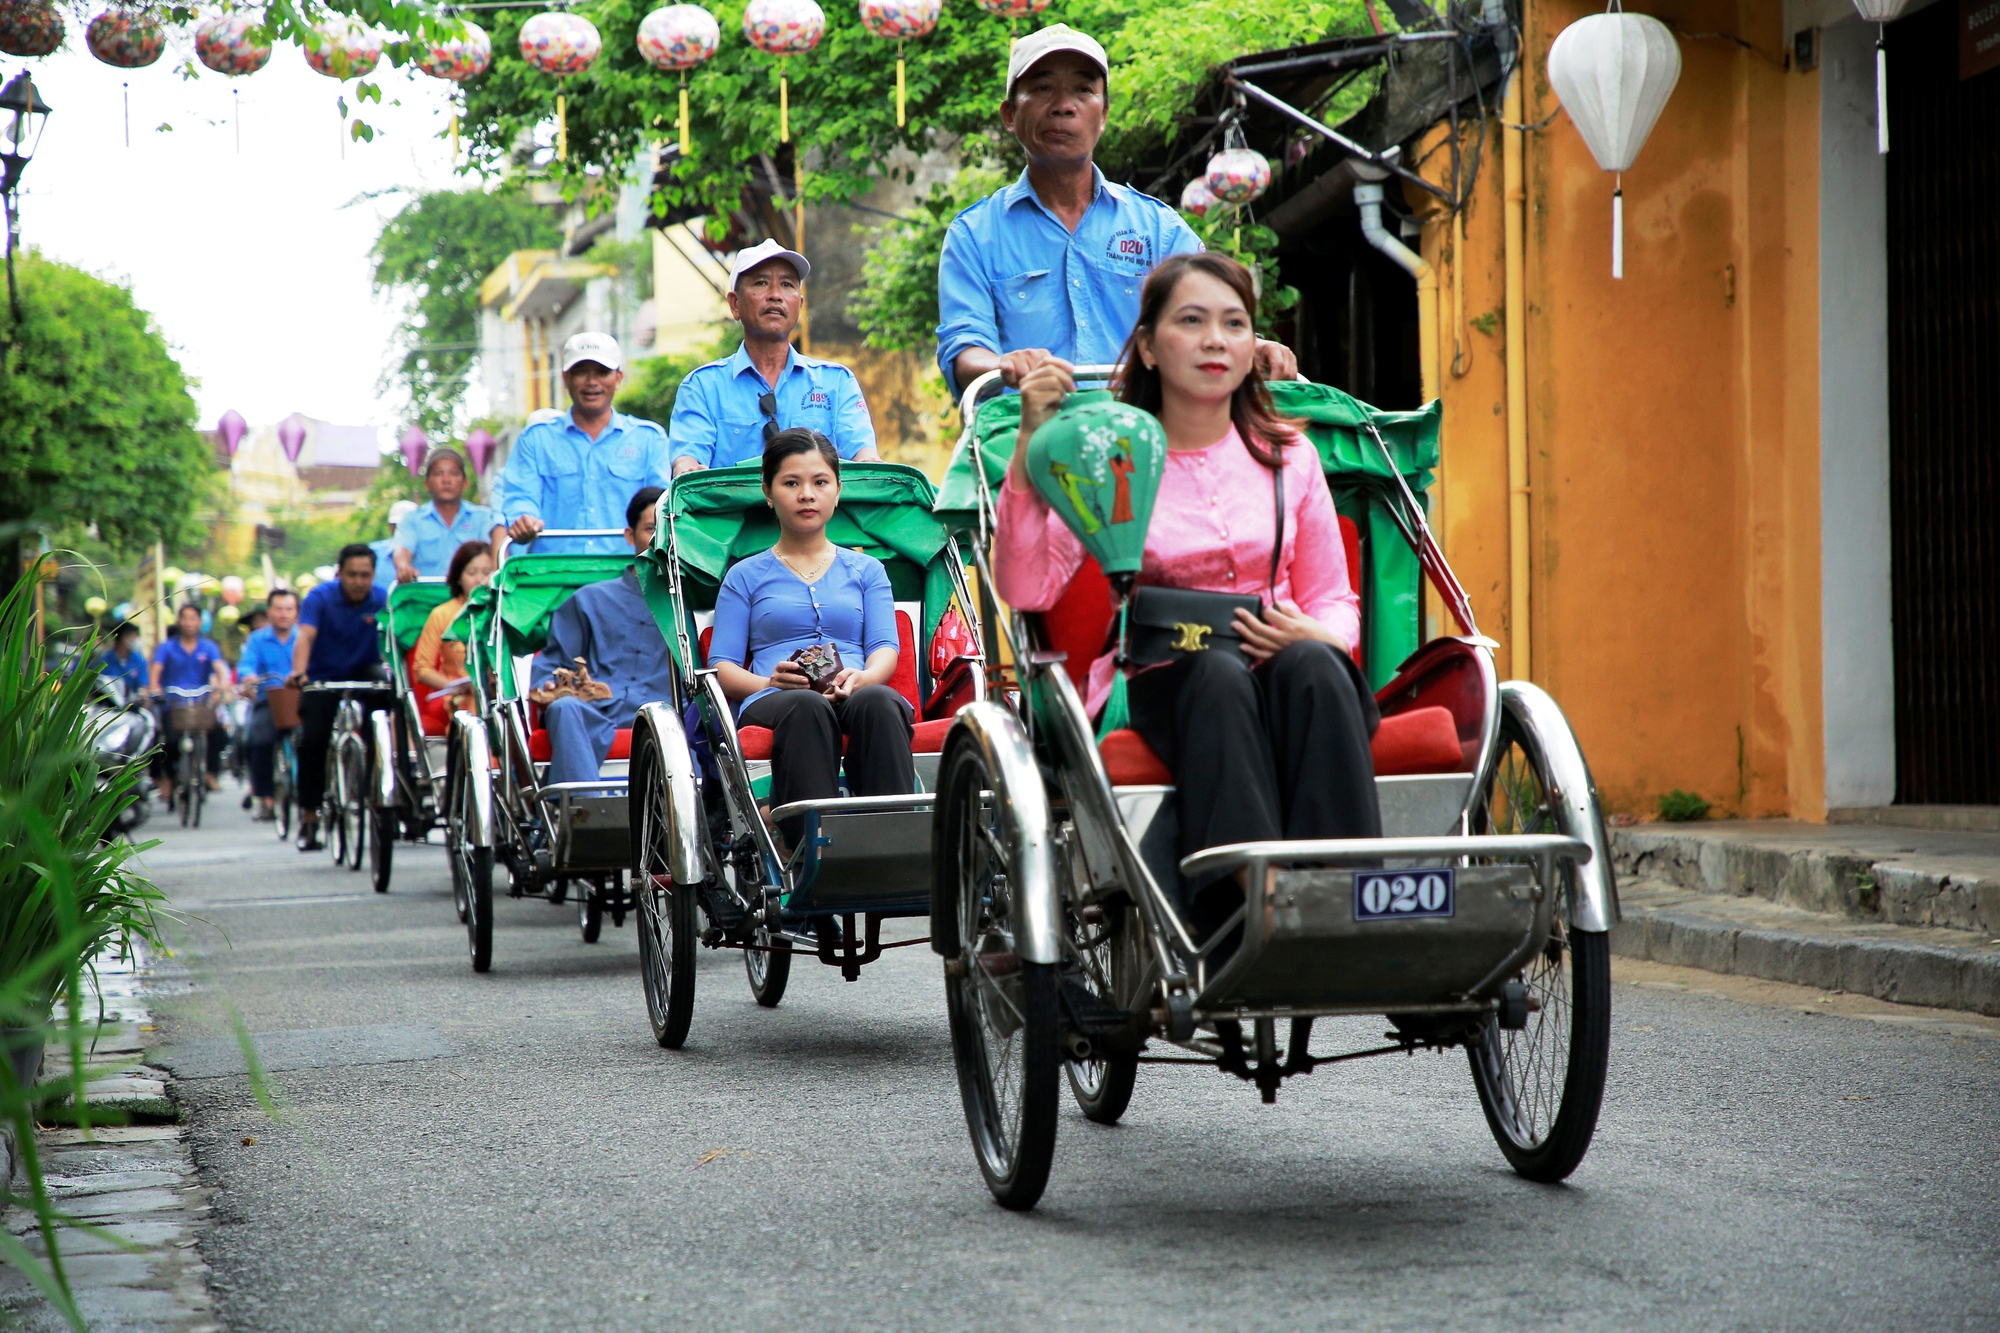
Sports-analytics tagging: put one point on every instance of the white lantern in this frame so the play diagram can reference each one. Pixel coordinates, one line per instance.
(1881, 13)
(1613, 74)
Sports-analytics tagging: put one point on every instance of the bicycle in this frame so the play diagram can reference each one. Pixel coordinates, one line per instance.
(344, 809)
(192, 718)
(284, 704)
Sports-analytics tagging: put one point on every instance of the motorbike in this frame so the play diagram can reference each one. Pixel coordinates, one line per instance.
(127, 730)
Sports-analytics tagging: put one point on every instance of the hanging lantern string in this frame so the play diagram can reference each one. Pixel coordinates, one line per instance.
(901, 120)
(562, 128)
(684, 113)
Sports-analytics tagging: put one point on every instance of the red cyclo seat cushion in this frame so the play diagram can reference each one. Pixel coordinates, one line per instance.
(1131, 762)
(539, 751)
(1423, 740)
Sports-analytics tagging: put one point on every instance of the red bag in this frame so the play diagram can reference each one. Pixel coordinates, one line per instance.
(952, 640)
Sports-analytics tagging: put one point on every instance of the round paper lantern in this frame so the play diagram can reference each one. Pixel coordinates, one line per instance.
(226, 616)
(231, 428)
(678, 37)
(1237, 175)
(29, 27)
(560, 44)
(783, 27)
(171, 576)
(346, 49)
(1197, 198)
(232, 588)
(1013, 9)
(898, 19)
(479, 447)
(125, 38)
(466, 56)
(95, 607)
(304, 584)
(224, 45)
(1613, 74)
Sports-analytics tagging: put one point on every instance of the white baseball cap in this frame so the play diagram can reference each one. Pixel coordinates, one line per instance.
(1046, 42)
(768, 248)
(599, 347)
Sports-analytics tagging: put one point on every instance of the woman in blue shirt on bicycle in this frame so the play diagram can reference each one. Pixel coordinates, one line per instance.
(186, 660)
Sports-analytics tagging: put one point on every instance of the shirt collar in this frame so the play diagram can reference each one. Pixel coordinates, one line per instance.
(740, 364)
(1021, 190)
(613, 427)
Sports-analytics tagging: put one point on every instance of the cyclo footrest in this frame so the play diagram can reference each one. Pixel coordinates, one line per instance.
(1086, 1012)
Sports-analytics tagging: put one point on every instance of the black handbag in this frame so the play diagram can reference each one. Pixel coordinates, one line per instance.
(1161, 624)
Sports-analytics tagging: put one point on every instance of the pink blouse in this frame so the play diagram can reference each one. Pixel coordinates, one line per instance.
(1211, 531)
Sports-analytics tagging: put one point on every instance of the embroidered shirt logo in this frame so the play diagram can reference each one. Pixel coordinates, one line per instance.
(818, 398)
(1131, 248)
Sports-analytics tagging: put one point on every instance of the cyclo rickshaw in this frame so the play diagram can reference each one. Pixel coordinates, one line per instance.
(407, 765)
(1478, 920)
(498, 807)
(708, 868)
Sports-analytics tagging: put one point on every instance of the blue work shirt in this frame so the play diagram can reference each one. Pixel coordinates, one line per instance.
(1012, 276)
(267, 657)
(184, 668)
(131, 669)
(717, 421)
(764, 613)
(432, 542)
(345, 645)
(385, 566)
(612, 629)
(560, 475)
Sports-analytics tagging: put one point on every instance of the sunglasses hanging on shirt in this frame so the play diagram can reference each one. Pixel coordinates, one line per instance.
(768, 404)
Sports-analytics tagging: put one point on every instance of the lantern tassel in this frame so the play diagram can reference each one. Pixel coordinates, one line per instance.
(684, 113)
(128, 114)
(1881, 92)
(900, 119)
(562, 128)
(1618, 228)
(784, 105)
(454, 138)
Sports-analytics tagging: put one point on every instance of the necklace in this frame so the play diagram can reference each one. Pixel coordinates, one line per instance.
(818, 567)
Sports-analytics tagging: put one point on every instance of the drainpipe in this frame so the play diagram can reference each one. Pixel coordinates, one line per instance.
(1368, 198)
(1514, 182)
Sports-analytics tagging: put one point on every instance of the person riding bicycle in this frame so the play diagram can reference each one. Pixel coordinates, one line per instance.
(123, 662)
(1272, 740)
(186, 660)
(266, 661)
(336, 641)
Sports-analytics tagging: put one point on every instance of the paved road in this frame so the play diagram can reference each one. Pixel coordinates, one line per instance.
(1756, 1167)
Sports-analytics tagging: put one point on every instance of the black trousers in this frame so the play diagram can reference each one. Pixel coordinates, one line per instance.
(316, 712)
(260, 751)
(805, 743)
(1278, 751)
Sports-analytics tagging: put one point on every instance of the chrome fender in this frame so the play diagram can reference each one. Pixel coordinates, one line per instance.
(681, 792)
(1024, 804)
(468, 733)
(1547, 733)
(382, 781)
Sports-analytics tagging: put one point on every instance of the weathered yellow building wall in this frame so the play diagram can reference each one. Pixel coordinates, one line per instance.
(1672, 422)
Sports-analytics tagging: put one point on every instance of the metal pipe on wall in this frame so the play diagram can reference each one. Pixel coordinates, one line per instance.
(1514, 180)
(1368, 198)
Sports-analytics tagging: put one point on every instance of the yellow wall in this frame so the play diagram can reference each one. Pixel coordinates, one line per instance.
(1672, 424)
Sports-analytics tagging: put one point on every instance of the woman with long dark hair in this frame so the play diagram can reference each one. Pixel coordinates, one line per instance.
(1266, 732)
(436, 663)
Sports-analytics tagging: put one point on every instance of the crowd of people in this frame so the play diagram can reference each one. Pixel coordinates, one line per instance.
(1058, 269)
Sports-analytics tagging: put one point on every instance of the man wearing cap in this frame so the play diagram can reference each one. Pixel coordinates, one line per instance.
(727, 409)
(578, 471)
(431, 534)
(1052, 264)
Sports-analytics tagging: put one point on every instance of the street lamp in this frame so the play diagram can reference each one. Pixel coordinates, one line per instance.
(26, 115)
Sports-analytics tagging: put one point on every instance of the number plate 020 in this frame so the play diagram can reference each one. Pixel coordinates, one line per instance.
(1389, 895)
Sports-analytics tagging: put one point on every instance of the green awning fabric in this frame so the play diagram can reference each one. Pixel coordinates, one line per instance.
(527, 589)
(410, 605)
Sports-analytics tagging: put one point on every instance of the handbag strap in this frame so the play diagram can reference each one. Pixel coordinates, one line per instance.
(1278, 524)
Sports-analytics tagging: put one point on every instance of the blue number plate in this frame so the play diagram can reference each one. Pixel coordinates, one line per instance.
(1389, 895)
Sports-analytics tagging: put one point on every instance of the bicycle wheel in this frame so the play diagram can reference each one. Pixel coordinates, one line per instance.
(281, 790)
(666, 921)
(354, 796)
(475, 872)
(190, 780)
(1106, 944)
(382, 828)
(1541, 1087)
(769, 967)
(589, 912)
(1002, 1008)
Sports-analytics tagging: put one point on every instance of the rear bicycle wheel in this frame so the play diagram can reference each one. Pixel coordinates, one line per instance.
(1002, 1008)
(190, 778)
(1542, 1087)
(666, 922)
(1105, 941)
(382, 845)
(768, 966)
(281, 790)
(475, 873)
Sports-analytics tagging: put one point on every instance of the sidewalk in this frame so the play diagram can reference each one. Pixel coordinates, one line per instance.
(1904, 914)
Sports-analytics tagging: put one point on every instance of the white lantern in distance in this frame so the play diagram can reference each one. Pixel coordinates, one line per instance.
(1613, 73)
(1881, 13)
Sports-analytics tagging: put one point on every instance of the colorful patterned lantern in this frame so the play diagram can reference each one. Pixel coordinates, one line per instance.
(414, 444)
(560, 44)
(479, 447)
(125, 38)
(1197, 198)
(677, 39)
(346, 49)
(29, 27)
(1098, 463)
(899, 20)
(784, 28)
(466, 56)
(231, 428)
(1237, 175)
(292, 436)
(224, 44)
(1013, 9)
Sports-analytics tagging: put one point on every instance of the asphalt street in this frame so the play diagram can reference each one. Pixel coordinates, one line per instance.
(524, 1157)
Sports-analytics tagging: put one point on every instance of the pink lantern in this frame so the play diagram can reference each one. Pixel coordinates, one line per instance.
(29, 27)
(232, 589)
(479, 446)
(125, 38)
(1237, 175)
(231, 428)
(345, 49)
(292, 435)
(1013, 9)
(466, 56)
(414, 444)
(1197, 198)
(783, 27)
(225, 45)
(560, 44)
(678, 37)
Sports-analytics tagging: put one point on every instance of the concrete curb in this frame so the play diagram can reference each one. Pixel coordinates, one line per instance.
(1906, 971)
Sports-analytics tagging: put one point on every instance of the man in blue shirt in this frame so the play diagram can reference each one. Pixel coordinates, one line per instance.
(727, 409)
(431, 534)
(266, 660)
(611, 628)
(385, 567)
(336, 641)
(1051, 265)
(578, 471)
(125, 662)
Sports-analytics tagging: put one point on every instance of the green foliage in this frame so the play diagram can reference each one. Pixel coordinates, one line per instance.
(1257, 248)
(99, 420)
(393, 482)
(435, 253)
(896, 305)
(1681, 807)
(651, 385)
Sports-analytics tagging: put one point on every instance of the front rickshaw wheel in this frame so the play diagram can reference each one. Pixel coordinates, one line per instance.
(1541, 1087)
(382, 828)
(1105, 942)
(666, 918)
(1002, 1007)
